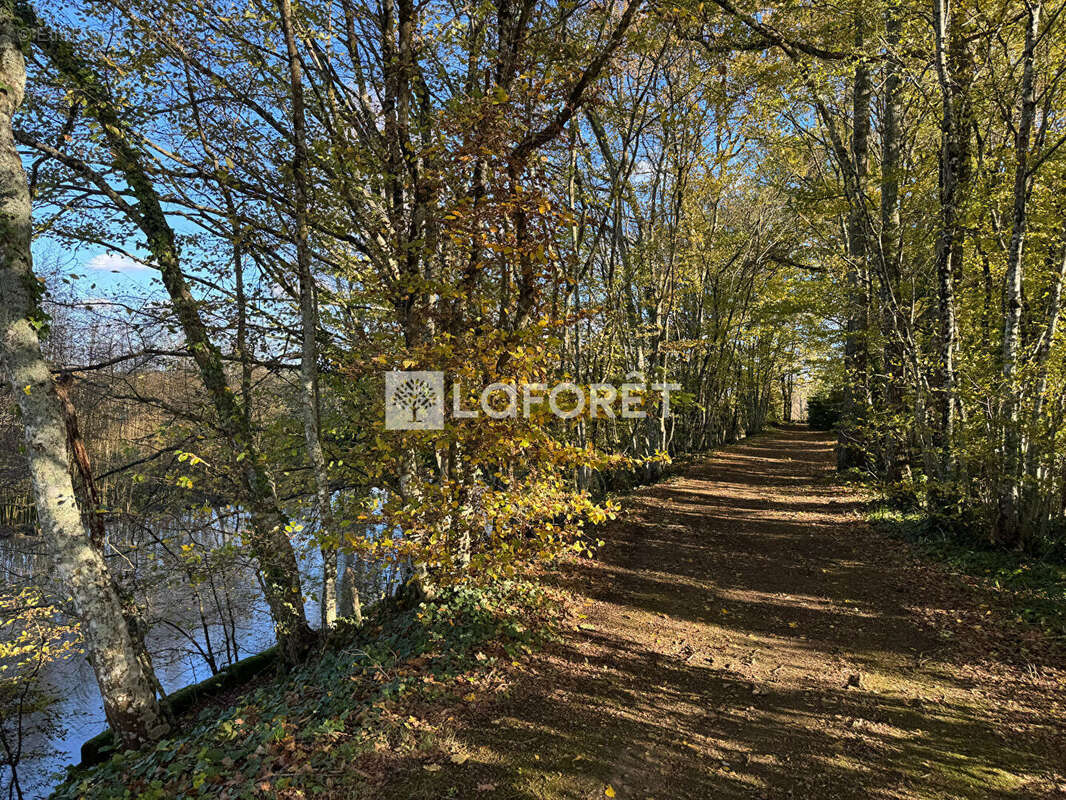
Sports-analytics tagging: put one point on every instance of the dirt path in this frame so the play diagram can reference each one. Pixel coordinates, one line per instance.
(745, 634)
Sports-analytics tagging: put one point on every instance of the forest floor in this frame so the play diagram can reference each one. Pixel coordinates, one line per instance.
(744, 633)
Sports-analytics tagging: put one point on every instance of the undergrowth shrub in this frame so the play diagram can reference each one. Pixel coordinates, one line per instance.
(307, 727)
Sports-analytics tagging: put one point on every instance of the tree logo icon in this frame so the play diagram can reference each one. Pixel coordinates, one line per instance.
(414, 401)
(415, 394)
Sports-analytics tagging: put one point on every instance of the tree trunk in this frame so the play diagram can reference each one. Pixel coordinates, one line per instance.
(850, 453)
(891, 247)
(93, 519)
(788, 385)
(309, 324)
(953, 165)
(268, 535)
(130, 704)
(1008, 524)
(350, 605)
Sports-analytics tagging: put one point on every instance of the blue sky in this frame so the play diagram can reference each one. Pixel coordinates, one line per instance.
(91, 270)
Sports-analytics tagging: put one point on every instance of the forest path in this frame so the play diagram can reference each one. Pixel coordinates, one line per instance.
(745, 634)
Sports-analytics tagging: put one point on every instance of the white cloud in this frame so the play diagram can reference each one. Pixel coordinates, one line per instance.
(114, 262)
(643, 171)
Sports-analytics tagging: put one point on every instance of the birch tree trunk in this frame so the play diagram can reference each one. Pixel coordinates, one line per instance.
(1008, 524)
(1038, 443)
(130, 702)
(948, 251)
(890, 248)
(309, 325)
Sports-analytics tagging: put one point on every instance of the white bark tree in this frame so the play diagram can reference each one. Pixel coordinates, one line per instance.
(130, 702)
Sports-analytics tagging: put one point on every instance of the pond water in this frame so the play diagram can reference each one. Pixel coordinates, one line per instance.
(80, 710)
(236, 624)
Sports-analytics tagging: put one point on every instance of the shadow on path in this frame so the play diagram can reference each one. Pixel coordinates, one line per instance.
(746, 635)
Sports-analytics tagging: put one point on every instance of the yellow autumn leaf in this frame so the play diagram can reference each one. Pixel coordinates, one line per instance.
(609, 791)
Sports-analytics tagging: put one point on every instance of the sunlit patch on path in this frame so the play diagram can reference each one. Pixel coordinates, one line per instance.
(744, 634)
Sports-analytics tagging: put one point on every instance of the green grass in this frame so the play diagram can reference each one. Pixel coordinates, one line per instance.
(1035, 586)
(314, 726)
